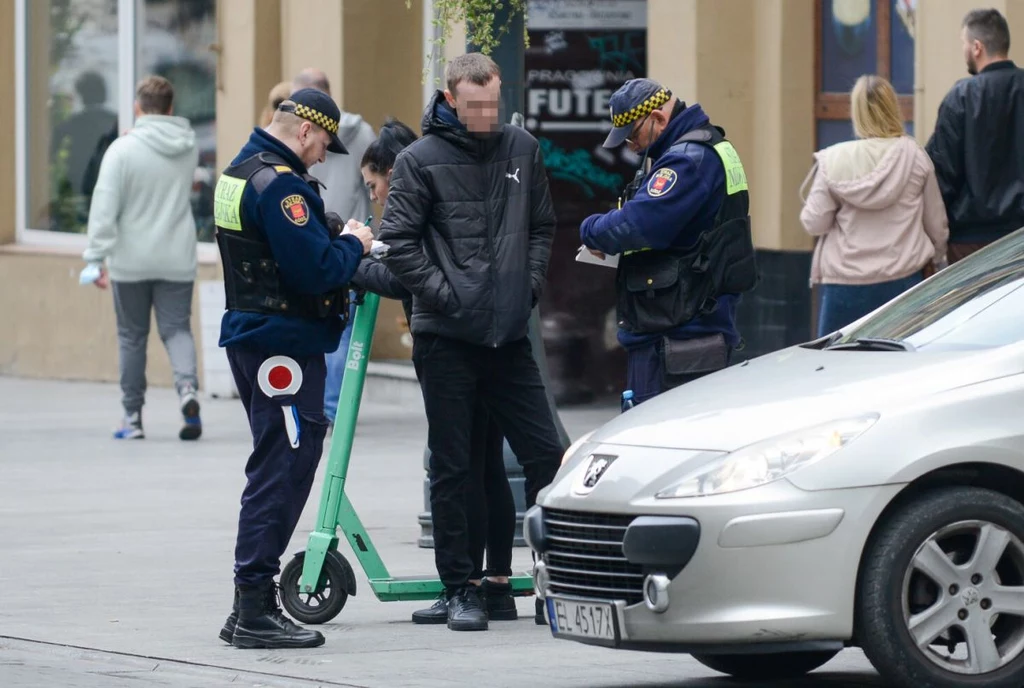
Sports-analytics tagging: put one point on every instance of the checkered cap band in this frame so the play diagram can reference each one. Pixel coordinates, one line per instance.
(317, 117)
(643, 109)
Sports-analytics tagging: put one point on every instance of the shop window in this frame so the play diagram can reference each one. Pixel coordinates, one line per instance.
(75, 97)
(176, 43)
(855, 37)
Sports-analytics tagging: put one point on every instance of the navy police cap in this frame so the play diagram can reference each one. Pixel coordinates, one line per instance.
(320, 109)
(634, 100)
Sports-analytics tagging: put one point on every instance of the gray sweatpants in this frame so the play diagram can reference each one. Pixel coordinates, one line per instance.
(172, 303)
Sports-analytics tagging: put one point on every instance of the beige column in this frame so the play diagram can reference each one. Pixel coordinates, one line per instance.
(938, 52)
(8, 230)
(750, 65)
(783, 126)
(248, 67)
(382, 73)
(311, 36)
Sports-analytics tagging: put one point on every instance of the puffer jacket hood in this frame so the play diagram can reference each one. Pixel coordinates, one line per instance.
(168, 135)
(870, 173)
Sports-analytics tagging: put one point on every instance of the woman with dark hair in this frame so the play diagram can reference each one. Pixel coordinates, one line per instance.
(489, 496)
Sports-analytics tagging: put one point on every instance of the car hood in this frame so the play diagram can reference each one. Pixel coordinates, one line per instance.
(795, 388)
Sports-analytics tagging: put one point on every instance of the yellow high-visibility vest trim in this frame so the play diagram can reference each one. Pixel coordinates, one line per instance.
(735, 176)
(227, 203)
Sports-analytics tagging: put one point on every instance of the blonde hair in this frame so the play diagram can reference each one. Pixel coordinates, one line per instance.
(875, 109)
(277, 95)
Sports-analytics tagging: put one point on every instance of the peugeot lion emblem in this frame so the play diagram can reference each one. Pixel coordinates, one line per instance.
(596, 467)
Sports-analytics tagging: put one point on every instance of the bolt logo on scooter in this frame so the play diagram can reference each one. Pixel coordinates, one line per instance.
(315, 584)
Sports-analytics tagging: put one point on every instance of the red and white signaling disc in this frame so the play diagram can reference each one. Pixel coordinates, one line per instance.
(279, 376)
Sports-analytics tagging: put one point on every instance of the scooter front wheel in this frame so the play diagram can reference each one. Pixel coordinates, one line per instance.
(326, 601)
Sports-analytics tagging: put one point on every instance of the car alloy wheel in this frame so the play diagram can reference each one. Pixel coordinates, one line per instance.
(962, 597)
(941, 593)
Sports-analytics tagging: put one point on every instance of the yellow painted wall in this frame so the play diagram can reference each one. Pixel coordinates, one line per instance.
(748, 62)
(58, 329)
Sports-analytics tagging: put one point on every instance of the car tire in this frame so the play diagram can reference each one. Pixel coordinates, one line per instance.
(927, 550)
(767, 667)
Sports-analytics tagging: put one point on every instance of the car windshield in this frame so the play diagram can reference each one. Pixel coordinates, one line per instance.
(975, 303)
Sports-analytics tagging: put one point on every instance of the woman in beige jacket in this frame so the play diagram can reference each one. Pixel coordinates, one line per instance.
(875, 207)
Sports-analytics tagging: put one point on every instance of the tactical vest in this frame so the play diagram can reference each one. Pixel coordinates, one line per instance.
(252, 281)
(665, 289)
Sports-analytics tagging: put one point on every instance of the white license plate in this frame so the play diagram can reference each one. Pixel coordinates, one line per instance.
(583, 619)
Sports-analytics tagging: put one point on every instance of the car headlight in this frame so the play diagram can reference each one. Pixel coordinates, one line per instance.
(575, 446)
(768, 460)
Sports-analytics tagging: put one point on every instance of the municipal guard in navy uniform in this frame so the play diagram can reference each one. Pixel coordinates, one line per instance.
(682, 237)
(286, 270)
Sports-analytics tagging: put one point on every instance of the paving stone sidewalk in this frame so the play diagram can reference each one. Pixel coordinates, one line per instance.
(115, 562)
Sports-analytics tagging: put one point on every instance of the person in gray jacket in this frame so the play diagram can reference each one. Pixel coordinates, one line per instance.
(141, 225)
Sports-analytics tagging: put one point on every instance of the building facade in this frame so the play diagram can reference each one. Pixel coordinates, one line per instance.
(774, 73)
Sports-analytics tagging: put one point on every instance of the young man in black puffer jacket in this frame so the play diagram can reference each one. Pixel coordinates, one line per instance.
(469, 222)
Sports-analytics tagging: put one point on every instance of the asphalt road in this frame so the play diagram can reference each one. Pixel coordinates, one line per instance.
(115, 563)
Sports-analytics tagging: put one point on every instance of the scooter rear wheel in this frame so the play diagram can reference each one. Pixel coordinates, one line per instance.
(326, 601)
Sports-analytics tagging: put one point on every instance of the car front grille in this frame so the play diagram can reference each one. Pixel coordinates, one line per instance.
(585, 558)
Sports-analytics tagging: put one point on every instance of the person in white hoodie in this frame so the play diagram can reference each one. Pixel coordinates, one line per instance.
(141, 225)
(345, 194)
(876, 210)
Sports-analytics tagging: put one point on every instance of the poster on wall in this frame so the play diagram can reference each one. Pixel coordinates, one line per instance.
(580, 52)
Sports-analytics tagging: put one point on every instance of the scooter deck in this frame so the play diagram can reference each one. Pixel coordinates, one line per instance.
(404, 588)
(336, 511)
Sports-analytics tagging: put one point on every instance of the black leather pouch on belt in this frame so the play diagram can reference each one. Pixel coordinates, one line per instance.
(684, 359)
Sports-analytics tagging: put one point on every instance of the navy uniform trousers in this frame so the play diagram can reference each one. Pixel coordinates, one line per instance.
(279, 477)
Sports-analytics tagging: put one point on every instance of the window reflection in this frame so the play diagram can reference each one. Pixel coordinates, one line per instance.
(175, 45)
(71, 115)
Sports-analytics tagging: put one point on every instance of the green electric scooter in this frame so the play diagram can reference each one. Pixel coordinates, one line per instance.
(316, 583)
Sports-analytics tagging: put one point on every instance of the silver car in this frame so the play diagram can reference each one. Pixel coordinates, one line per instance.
(865, 489)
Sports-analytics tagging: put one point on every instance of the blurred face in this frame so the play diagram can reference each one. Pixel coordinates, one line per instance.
(313, 142)
(376, 184)
(477, 106)
(973, 51)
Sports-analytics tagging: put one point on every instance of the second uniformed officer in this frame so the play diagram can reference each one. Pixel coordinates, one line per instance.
(286, 271)
(682, 237)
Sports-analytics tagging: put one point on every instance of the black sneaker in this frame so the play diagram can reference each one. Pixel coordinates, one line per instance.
(539, 610)
(501, 606)
(466, 610)
(436, 614)
(262, 624)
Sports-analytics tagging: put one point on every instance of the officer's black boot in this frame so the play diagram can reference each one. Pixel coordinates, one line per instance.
(228, 632)
(261, 624)
(466, 610)
(501, 606)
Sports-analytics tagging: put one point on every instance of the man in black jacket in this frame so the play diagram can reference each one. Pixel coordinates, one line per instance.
(469, 222)
(978, 143)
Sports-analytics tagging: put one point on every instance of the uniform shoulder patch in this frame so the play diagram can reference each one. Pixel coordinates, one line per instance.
(295, 209)
(661, 182)
(283, 169)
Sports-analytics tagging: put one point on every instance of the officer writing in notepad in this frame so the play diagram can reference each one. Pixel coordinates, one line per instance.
(287, 265)
(682, 237)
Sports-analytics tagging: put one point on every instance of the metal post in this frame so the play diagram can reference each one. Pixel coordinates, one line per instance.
(510, 56)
